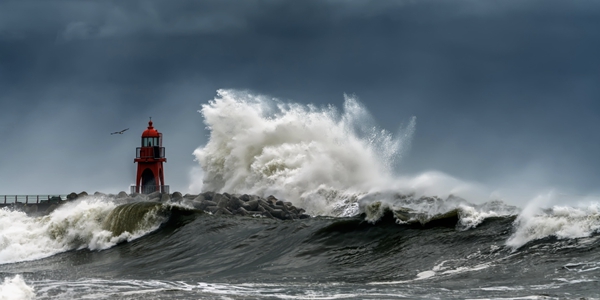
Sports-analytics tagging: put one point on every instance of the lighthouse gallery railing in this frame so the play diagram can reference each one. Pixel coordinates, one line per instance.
(150, 152)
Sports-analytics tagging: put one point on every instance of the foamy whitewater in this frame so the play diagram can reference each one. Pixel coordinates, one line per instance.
(374, 233)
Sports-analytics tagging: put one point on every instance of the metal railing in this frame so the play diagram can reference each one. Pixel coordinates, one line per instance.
(150, 152)
(27, 199)
(147, 189)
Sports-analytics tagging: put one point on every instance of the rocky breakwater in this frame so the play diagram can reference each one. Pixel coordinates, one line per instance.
(233, 204)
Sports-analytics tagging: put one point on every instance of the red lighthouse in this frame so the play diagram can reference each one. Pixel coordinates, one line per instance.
(149, 158)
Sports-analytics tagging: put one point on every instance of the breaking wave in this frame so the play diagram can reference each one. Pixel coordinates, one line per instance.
(321, 159)
(93, 223)
(16, 288)
(561, 222)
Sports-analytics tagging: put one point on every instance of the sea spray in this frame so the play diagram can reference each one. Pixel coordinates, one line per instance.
(313, 157)
(15, 288)
(562, 222)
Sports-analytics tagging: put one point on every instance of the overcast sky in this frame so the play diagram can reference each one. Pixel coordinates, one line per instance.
(506, 93)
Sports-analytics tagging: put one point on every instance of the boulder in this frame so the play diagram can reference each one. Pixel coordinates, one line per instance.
(203, 205)
(208, 195)
(212, 209)
(241, 212)
(82, 194)
(235, 203)
(279, 214)
(222, 200)
(154, 196)
(175, 197)
(72, 196)
(250, 205)
(122, 194)
(272, 199)
(267, 214)
(222, 211)
(189, 196)
(165, 197)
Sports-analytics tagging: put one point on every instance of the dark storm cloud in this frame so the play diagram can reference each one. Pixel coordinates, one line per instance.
(504, 91)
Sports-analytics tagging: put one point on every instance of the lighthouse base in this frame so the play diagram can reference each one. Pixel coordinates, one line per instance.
(147, 189)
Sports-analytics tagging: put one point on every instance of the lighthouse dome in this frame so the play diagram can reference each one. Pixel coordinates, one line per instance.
(150, 132)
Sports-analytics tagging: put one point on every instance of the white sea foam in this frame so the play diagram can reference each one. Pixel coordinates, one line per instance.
(74, 225)
(563, 222)
(308, 155)
(16, 288)
(320, 159)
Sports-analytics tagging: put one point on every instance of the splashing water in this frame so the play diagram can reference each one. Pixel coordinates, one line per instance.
(313, 157)
(16, 288)
(77, 225)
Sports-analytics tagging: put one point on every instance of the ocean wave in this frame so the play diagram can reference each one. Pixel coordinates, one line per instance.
(408, 209)
(562, 222)
(314, 157)
(93, 222)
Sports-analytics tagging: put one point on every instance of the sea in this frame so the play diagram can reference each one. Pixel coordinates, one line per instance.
(373, 232)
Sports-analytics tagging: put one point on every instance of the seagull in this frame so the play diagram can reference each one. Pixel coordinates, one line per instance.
(120, 132)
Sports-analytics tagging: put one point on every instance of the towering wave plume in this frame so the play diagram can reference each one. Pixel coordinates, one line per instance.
(314, 157)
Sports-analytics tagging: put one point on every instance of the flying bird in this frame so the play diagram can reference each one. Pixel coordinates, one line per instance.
(120, 132)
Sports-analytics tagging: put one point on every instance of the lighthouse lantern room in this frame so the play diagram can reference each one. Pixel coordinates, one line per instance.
(149, 158)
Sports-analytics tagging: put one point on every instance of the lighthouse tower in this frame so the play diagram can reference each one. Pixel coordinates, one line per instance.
(149, 158)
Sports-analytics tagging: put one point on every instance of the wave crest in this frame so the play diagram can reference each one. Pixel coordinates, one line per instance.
(313, 157)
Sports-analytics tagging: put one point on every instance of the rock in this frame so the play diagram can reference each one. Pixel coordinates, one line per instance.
(199, 198)
(250, 205)
(203, 205)
(267, 214)
(264, 204)
(303, 216)
(135, 195)
(272, 199)
(165, 197)
(72, 196)
(212, 209)
(122, 194)
(241, 212)
(222, 211)
(82, 194)
(208, 195)
(279, 214)
(235, 203)
(99, 194)
(222, 200)
(176, 197)
(154, 196)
